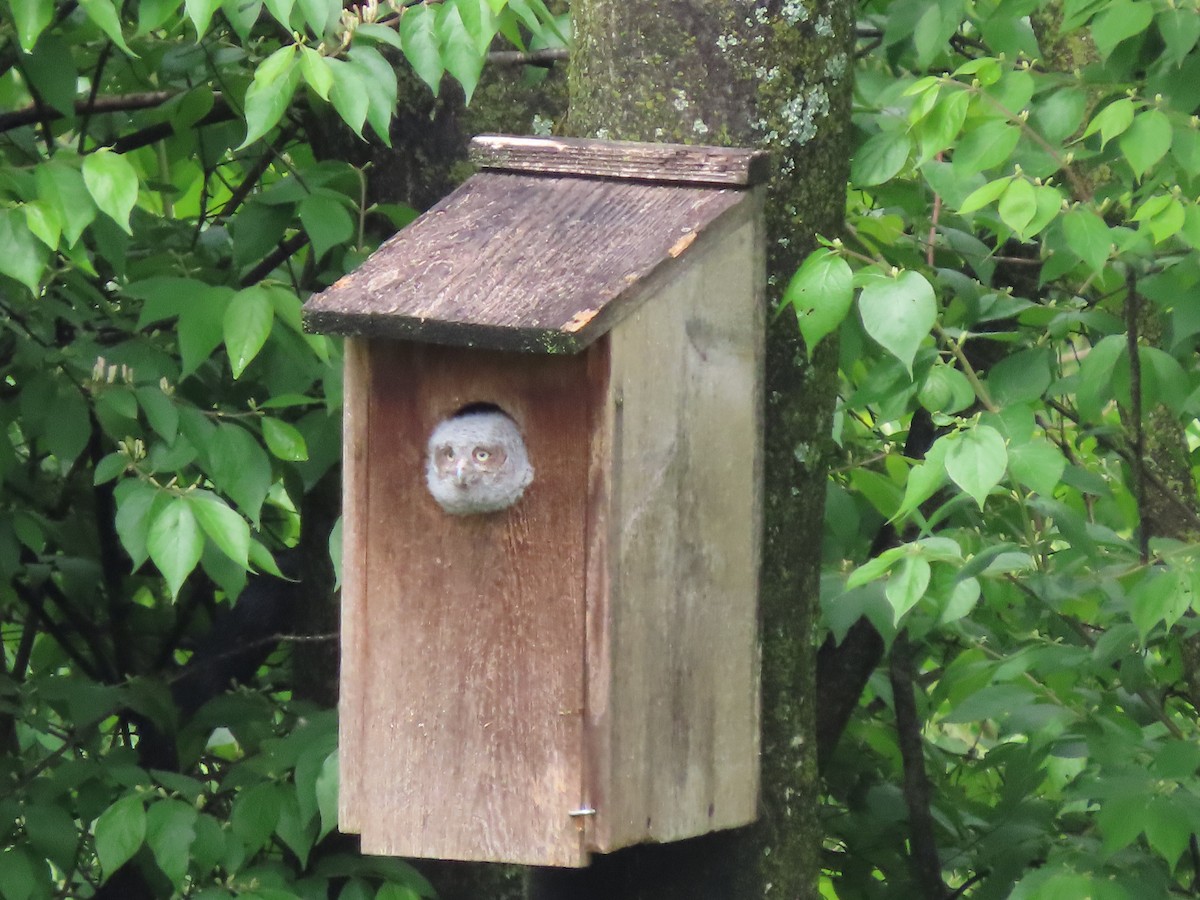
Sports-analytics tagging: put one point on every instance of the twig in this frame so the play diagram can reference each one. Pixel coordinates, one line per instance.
(1138, 461)
(926, 866)
(545, 57)
(28, 115)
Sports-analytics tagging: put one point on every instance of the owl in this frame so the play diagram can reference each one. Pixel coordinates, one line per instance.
(476, 462)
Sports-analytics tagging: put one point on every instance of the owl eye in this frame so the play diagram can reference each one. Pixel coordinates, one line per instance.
(482, 455)
(448, 452)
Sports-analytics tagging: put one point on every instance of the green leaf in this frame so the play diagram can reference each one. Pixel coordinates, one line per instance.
(24, 256)
(325, 221)
(317, 74)
(239, 468)
(1146, 141)
(109, 467)
(985, 147)
(925, 479)
(327, 793)
(821, 292)
(160, 411)
(52, 832)
(320, 14)
(281, 10)
(170, 830)
(1096, 376)
(460, 55)
(1022, 377)
(1168, 830)
(418, 32)
(201, 323)
(175, 543)
(31, 18)
(104, 14)
(989, 193)
(1121, 20)
(945, 390)
(153, 13)
(43, 221)
(119, 832)
(898, 313)
(1038, 465)
(941, 126)
(201, 13)
(1121, 820)
(906, 584)
(63, 187)
(1018, 205)
(963, 597)
(242, 15)
(1180, 29)
(269, 94)
(1111, 121)
(113, 184)
(349, 94)
(69, 429)
(246, 326)
(134, 501)
(380, 34)
(379, 79)
(255, 814)
(976, 460)
(1088, 237)
(480, 21)
(881, 158)
(224, 527)
(284, 440)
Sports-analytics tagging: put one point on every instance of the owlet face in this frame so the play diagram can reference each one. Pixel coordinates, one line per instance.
(476, 462)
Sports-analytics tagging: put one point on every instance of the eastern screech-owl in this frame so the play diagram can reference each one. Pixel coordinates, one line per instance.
(476, 462)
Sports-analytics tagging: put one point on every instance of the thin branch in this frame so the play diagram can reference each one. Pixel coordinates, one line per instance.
(926, 865)
(545, 57)
(38, 609)
(281, 253)
(101, 62)
(1138, 460)
(28, 115)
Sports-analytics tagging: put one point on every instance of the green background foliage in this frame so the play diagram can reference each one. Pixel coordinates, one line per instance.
(1016, 300)
(1019, 278)
(163, 414)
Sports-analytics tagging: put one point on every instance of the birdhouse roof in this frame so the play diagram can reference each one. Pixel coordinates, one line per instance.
(545, 249)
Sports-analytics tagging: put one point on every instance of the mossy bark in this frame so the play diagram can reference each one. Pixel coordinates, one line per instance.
(773, 75)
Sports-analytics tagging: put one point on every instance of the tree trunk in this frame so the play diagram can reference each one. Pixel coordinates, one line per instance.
(773, 76)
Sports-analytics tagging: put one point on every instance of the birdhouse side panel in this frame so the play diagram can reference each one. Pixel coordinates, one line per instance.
(356, 382)
(469, 691)
(675, 695)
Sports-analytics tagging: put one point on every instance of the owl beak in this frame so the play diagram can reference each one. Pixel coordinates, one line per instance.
(460, 473)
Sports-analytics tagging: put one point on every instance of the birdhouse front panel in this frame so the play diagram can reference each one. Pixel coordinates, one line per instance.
(463, 707)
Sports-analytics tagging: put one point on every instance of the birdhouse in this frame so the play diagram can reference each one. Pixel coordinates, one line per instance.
(551, 527)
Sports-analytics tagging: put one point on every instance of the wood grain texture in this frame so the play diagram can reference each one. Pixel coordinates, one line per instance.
(673, 716)
(675, 163)
(470, 682)
(521, 262)
(355, 498)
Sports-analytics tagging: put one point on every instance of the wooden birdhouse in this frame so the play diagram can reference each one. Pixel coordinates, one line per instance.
(577, 671)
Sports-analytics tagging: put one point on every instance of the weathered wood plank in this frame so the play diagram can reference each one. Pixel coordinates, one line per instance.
(355, 481)
(472, 686)
(520, 262)
(673, 676)
(621, 159)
